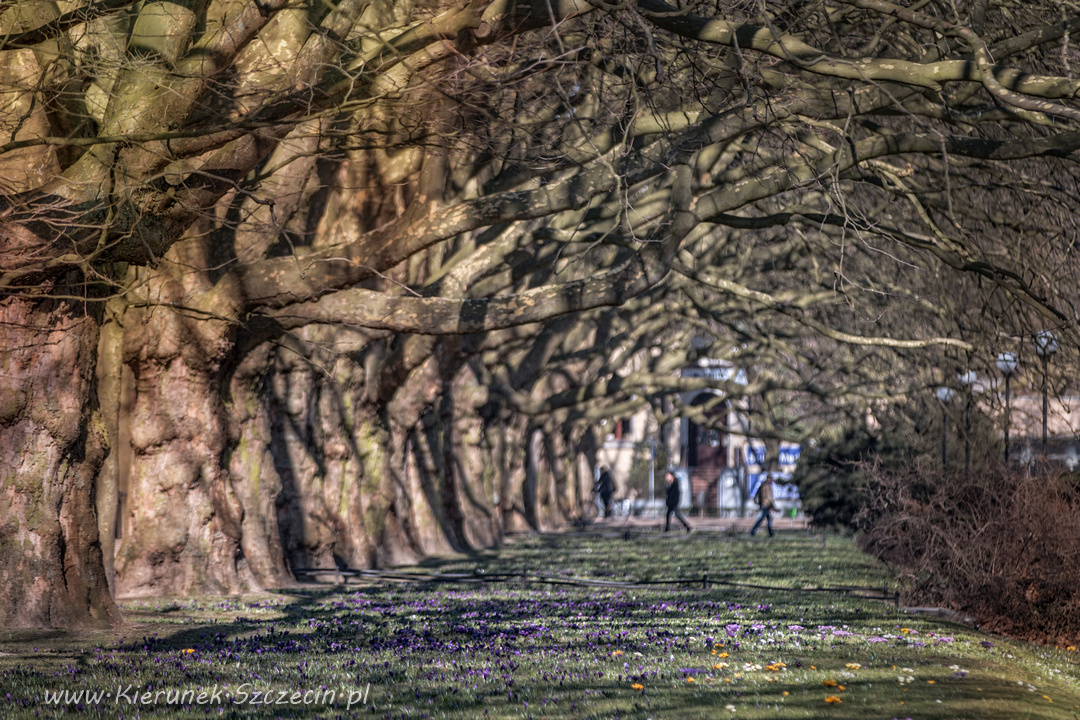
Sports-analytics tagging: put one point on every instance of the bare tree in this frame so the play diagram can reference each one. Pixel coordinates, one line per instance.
(370, 273)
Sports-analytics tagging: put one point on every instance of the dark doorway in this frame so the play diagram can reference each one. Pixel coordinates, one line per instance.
(705, 445)
(706, 452)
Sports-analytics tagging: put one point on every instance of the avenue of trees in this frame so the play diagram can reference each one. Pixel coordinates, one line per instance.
(294, 283)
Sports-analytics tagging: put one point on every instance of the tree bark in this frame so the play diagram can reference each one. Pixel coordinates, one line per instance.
(110, 365)
(184, 516)
(52, 443)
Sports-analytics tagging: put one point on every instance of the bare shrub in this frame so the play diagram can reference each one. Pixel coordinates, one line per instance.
(998, 544)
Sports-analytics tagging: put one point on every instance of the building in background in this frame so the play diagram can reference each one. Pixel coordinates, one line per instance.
(709, 451)
(718, 463)
(1062, 425)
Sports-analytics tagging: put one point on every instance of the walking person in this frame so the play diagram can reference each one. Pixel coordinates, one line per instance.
(605, 488)
(674, 495)
(764, 498)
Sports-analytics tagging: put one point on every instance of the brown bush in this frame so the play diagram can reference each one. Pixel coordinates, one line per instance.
(1000, 545)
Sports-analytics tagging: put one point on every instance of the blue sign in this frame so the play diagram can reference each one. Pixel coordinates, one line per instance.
(755, 454)
(789, 454)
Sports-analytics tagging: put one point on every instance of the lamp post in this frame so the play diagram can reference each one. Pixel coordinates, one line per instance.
(1045, 345)
(1006, 363)
(968, 381)
(652, 470)
(944, 394)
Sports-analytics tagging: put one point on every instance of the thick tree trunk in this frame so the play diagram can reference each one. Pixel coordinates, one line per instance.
(510, 464)
(184, 517)
(255, 473)
(52, 444)
(323, 468)
(470, 458)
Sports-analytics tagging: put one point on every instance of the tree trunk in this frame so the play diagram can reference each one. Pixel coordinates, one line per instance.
(324, 462)
(183, 516)
(52, 444)
(110, 366)
(534, 440)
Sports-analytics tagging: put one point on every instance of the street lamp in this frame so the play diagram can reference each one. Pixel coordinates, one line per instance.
(1006, 363)
(968, 381)
(1045, 345)
(945, 395)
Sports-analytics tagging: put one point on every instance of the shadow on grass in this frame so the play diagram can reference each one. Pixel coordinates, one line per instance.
(464, 649)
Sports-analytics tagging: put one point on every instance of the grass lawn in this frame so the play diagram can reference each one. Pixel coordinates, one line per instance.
(517, 650)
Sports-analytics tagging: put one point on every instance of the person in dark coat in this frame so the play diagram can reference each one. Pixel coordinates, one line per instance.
(605, 488)
(764, 498)
(674, 495)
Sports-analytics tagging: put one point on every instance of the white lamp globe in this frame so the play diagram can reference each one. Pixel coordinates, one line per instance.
(1046, 343)
(1007, 363)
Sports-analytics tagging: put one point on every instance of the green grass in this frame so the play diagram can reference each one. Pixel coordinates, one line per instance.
(515, 650)
(789, 560)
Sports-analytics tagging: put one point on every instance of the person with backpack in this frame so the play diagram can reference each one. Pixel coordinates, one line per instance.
(764, 499)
